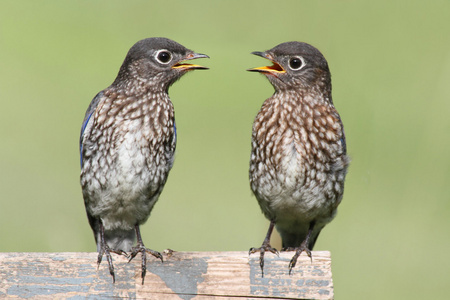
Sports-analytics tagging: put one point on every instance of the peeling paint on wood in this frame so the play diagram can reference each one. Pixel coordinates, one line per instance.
(183, 275)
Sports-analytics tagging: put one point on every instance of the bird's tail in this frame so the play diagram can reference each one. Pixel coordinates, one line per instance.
(295, 239)
(119, 239)
(116, 239)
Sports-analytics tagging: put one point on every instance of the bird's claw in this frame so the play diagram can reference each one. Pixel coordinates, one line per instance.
(107, 251)
(266, 248)
(120, 252)
(262, 250)
(141, 249)
(298, 251)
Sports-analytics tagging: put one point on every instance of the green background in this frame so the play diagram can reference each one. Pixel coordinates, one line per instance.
(390, 62)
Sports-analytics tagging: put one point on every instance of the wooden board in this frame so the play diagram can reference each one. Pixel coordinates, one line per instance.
(183, 275)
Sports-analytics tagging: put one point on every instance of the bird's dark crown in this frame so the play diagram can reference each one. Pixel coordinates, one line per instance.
(296, 65)
(300, 49)
(141, 48)
(157, 62)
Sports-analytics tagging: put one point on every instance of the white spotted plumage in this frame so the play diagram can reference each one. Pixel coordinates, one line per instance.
(127, 146)
(298, 162)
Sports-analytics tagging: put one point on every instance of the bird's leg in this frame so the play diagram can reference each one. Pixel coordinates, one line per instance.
(141, 248)
(303, 247)
(265, 247)
(104, 249)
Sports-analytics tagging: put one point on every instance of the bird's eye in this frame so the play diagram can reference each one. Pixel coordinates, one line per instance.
(296, 63)
(163, 56)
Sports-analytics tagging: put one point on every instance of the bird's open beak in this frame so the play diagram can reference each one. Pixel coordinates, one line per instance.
(274, 69)
(188, 67)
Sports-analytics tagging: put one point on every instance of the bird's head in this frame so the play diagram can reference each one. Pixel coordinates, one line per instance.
(296, 65)
(158, 62)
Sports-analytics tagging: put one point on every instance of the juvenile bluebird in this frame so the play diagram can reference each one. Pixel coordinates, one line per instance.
(127, 146)
(299, 158)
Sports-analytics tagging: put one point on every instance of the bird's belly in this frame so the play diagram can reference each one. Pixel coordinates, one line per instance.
(289, 196)
(130, 188)
(124, 202)
(296, 202)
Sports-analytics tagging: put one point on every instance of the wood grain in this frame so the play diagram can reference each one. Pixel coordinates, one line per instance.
(183, 275)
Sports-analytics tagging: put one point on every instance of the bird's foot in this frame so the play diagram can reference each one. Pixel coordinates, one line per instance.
(107, 251)
(262, 250)
(140, 248)
(298, 251)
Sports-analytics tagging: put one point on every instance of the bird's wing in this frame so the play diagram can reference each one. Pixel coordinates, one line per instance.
(174, 132)
(87, 117)
(344, 143)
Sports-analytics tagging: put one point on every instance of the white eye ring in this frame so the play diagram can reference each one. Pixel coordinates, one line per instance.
(163, 56)
(296, 63)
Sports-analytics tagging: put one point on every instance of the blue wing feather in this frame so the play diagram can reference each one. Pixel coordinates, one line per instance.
(175, 130)
(89, 112)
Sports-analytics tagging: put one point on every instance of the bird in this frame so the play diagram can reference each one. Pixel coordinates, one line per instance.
(299, 158)
(127, 145)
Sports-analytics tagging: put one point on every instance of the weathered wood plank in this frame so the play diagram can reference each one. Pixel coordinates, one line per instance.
(183, 275)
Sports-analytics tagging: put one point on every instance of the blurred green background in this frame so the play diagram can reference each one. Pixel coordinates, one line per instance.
(390, 62)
